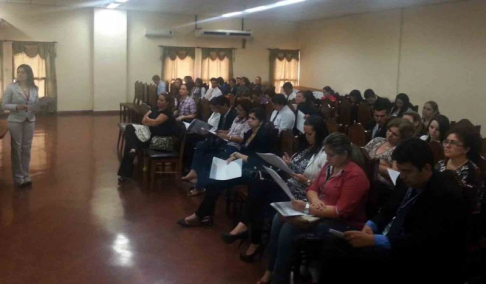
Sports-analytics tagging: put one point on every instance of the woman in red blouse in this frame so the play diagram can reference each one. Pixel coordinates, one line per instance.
(337, 195)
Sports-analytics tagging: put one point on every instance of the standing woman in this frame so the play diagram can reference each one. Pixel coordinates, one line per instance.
(18, 98)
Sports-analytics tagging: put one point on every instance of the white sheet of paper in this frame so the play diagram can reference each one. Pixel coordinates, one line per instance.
(299, 124)
(285, 209)
(214, 133)
(275, 161)
(220, 170)
(393, 175)
(280, 182)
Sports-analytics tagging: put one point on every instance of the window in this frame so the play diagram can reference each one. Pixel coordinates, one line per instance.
(284, 67)
(217, 62)
(178, 62)
(38, 66)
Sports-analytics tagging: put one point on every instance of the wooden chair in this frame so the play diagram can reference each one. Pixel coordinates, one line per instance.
(286, 142)
(120, 145)
(357, 134)
(205, 110)
(168, 162)
(268, 111)
(332, 125)
(371, 167)
(127, 108)
(3, 128)
(483, 148)
(151, 95)
(326, 111)
(344, 112)
(437, 151)
(364, 113)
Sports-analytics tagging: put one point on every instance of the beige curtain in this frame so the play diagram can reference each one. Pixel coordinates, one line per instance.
(217, 62)
(178, 62)
(284, 67)
(41, 56)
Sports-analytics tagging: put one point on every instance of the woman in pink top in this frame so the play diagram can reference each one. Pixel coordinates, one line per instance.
(337, 195)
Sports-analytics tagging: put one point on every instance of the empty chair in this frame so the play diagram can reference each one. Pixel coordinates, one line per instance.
(357, 134)
(364, 113)
(332, 125)
(345, 112)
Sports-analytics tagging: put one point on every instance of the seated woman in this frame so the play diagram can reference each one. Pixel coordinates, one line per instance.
(198, 91)
(337, 195)
(306, 165)
(186, 109)
(305, 103)
(415, 119)
(328, 93)
(401, 105)
(161, 122)
(429, 111)
(438, 128)
(257, 140)
(355, 98)
(398, 129)
(206, 150)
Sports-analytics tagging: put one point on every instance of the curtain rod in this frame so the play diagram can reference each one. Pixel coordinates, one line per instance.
(5, 40)
(283, 49)
(196, 47)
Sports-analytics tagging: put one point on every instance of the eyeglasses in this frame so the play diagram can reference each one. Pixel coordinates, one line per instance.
(451, 142)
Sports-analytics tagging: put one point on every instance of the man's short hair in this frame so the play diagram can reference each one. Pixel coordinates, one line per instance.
(288, 85)
(382, 106)
(415, 151)
(156, 78)
(213, 79)
(369, 94)
(233, 80)
(219, 101)
(279, 100)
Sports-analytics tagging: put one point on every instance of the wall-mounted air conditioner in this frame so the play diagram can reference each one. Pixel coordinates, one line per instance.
(224, 33)
(158, 33)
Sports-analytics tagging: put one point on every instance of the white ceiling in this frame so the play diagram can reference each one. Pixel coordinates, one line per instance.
(308, 10)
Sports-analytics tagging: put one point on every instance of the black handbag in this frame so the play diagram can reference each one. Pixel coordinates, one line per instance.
(162, 143)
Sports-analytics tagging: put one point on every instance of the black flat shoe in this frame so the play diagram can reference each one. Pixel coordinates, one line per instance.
(250, 258)
(229, 238)
(206, 221)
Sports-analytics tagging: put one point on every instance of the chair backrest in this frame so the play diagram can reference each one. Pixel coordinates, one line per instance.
(415, 108)
(483, 148)
(326, 111)
(205, 110)
(286, 144)
(180, 143)
(345, 112)
(152, 95)
(332, 125)
(437, 151)
(357, 134)
(371, 168)
(198, 107)
(364, 113)
(268, 110)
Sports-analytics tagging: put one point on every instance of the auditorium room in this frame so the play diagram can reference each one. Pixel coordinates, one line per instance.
(242, 141)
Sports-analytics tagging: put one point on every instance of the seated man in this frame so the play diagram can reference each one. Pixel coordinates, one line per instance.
(381, 114)
(227, 114)
(283, 117)
(288, 91)
(373, 99)
(214, 91)
(160, 85)
(419, 237)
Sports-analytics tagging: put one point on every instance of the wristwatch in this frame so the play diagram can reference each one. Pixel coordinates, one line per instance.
(307, 208)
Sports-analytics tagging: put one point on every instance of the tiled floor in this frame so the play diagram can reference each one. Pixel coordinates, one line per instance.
(76, 225)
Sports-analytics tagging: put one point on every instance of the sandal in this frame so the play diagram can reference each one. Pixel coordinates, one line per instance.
(194, 192)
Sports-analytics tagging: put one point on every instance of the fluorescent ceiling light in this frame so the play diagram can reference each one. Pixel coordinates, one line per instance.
(286, 2)
(121, 1)
(113, 5)
(231, 14)
(257, 9)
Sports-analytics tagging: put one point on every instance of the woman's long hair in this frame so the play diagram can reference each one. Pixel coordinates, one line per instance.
(444, 125)
(319, 126)
(406, 104)
(30, 76)
(340, 144)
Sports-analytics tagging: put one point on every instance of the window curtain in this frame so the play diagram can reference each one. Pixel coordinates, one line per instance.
(41, 56)
(284, 67)
(178, 62)
(217, 62)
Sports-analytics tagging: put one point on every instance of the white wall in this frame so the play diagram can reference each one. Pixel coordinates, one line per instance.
(435, 52)
(110, 59)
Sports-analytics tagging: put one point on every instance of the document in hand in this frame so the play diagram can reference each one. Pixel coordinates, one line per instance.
(198, 126)
(393, 175)
(285, 209)
(280, 182)
(275, 161)
(221, 170)
(216, 134)
(300, 120)
(40, 103)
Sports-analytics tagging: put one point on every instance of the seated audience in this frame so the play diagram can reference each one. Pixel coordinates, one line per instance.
(401, 105)
(189, 83)
(328, 93)
(337, 195)
(223, 115)
(283, 117)
(398, 129)
(257, 85)
(416, 120)
(160, 84)
(233, 87)
(306, 165)
(417, 238)
(288, 91)
(186, 110)
(430, 110)
(225, 88)
(214, 90)
(258, 139)
(160, 121)
(243, 88)
(373, 99)
(381, 113)
(174, 90)
(305, 103)
(438, 128)
(355, 98)
(198, 91)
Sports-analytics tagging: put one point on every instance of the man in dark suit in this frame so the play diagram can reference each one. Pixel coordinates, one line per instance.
(374, 99)
(377, 127)
(418, 237)
(227, 114)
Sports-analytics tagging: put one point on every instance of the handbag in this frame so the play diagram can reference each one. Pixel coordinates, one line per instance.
(142, 132)
(162, 143)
